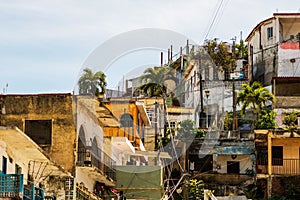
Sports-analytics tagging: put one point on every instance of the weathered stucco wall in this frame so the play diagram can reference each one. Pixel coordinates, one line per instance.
(291, 147)
(244, 160)
(16, 109)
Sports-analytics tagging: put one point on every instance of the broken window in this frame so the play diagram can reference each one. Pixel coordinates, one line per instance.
(40, 131)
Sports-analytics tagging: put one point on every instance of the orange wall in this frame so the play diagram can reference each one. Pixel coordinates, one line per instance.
(290, 146)
(118, 109)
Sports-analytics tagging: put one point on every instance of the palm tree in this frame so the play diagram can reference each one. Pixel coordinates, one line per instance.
(254, 96)
(155, 81)
(155, 85)
(90, 83)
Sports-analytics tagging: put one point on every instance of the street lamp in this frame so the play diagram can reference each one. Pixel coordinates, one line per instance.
(207, 95)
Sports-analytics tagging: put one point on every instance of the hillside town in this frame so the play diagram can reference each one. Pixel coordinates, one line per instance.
(215, 121)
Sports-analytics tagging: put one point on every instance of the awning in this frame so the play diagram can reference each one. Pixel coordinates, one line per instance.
(21, 147)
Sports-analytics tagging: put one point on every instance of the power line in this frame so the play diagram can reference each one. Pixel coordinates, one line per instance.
(214, 19)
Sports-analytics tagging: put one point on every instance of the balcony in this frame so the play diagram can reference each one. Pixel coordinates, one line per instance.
(98, 159)
(286, 167)
(31, 192)
(12, 187)
(280, 167)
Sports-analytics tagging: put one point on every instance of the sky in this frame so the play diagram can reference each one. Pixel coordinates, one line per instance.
(45, 44)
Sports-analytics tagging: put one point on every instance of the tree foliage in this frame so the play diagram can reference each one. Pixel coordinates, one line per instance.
(154, 81)
(195, 189)
(266, 120)
(221, 55)
(254, 96)
(92, 83)
(290, 120)
(186, 129)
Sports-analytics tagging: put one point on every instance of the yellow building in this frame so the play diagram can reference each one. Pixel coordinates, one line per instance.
(278, 160)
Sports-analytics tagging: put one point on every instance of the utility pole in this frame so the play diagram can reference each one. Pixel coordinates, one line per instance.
(155, 126)
(202, 115)
(234, 124)
(233, 105)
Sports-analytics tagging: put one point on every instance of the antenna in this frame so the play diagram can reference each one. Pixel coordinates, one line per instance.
(5, 88)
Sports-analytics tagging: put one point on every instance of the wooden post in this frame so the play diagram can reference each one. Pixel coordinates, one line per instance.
(269, 181)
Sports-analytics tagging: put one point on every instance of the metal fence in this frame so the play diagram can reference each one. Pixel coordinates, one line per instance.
(99, 159)
(31, 192)
(11, 186)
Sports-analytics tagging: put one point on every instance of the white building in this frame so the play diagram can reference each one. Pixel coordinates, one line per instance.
(274, 48)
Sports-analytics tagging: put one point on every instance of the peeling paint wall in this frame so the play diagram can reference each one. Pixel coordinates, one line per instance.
(245, 163)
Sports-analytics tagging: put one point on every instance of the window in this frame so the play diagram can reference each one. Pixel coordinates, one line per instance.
(40, 131)
(150, 113)
(270, 32)
(4, 165)
(233, 167)
(262, 156)
(172, 124)
(277, 155)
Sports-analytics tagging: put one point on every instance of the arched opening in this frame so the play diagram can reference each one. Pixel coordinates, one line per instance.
(126, 120)
(83, 156)
(127, 123)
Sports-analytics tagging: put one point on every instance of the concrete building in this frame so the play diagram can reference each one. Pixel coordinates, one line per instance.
(46, 127)
(225, 161)
(274, 48)
(278, 167)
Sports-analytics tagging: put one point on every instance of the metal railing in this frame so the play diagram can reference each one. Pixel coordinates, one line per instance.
(97, 158)
(31, 192)
(11, 186)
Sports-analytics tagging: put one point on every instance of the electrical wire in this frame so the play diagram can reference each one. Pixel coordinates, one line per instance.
(214, 19)
(222, 9)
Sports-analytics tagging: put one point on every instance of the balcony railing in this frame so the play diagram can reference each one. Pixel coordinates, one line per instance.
(282, 167)
(31, 192)
(11, 186)
(288, 167)
(98, 159)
